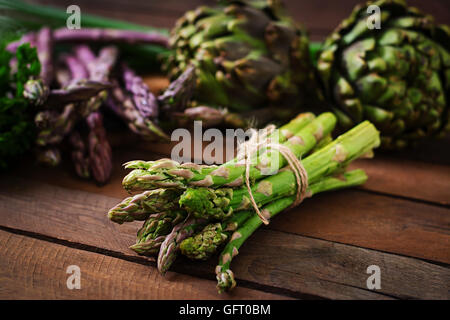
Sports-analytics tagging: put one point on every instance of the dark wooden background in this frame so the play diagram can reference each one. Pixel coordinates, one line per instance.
(399, 220)
(319, 16)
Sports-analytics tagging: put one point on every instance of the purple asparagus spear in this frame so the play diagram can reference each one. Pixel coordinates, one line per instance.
(77, 92)
(144, 100)
(99, 68)
(26, 38)
(85, 54)
(76, 67)
(123, 106)
(79, 154)
(209, 116)
(96, 35)
(48, 156)
(100, 155)
(179, 92)
(109, 35)
(54, 125)
(44, 45)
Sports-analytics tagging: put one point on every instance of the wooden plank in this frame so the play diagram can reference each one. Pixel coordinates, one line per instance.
(36, 269)
(373, 221)
(407, 178)
(314, 266)
(79, 217)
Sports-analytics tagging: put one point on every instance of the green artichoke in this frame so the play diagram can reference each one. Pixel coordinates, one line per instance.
(247, 54)
(396, 76)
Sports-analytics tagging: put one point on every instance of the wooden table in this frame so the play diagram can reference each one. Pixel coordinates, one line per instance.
(399, 220)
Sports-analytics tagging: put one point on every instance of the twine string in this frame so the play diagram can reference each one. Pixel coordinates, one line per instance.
(257, 141)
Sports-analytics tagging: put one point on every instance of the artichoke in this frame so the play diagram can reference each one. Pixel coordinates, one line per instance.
(247, 54)
(396, 76)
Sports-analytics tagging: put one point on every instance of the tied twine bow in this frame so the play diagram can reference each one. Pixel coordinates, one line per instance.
(257, 141)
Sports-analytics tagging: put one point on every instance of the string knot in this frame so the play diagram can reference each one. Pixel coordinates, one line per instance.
(259, 140)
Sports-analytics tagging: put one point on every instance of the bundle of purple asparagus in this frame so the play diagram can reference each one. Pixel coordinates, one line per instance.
(80, 84)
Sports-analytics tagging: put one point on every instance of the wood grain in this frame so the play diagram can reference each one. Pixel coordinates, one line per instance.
(36, 269)
(276, 260)
(407, 178)
(373, 221)
(315, 266)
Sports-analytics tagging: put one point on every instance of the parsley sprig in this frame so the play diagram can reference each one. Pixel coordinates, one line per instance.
(17, 130)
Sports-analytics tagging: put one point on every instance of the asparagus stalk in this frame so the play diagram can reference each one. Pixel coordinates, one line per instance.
(26, 38)
(149, 247)
(99, 69)
(109, 35)
(76, 67)
(48, 156)
(62, 35)
(154, 231)
(100, 154)
(79, 155)
(55, 126)
(168, 173)
(205, 243)
(224, 275)
(44, 45)
(122, 104)
(220, 203)
(141, 206)
(79, 91)
(170, 246)
(209, 116)
(179, 92)
(143, 99)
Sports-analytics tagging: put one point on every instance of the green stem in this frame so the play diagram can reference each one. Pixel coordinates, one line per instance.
(34, 16)
(225, 276)
(58, 17)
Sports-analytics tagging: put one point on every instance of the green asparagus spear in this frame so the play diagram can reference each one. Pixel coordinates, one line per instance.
(170, 247)
(141, 206)
(224, 275)
(154, 231)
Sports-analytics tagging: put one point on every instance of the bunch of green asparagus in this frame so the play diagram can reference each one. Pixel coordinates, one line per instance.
(197, 209)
